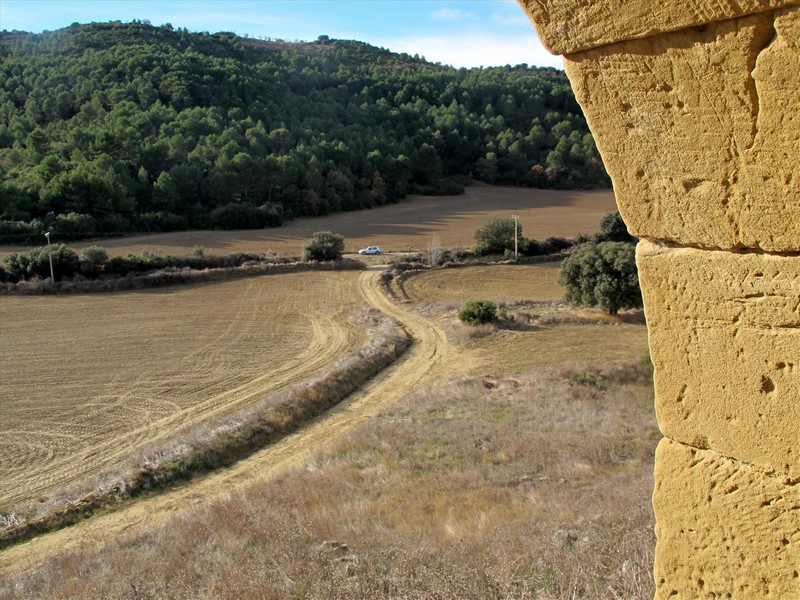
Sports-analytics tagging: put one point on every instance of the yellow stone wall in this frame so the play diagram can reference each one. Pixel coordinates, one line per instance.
(695, 108)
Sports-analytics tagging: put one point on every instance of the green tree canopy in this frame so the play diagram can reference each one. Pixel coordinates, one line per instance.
(324, 245)
(496, 236)
(603, 275)
(142, 128)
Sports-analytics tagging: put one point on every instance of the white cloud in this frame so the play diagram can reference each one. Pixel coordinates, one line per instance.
(451, 14)
(516, 19)
(470, 49)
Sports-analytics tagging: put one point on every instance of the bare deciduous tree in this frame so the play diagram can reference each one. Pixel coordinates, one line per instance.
(434, 251)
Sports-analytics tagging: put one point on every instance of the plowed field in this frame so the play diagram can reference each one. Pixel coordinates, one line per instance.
(408, 225)
(498, 283)
(431, 358)
(88, 379)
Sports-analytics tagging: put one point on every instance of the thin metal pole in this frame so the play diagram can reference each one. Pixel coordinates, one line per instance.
(50, 256)
(516, 244)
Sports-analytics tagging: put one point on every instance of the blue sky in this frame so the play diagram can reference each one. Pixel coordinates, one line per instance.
(463, 33)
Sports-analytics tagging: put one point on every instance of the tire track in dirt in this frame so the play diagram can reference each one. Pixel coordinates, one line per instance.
(328, 342)
(429, 358)
(329, 337)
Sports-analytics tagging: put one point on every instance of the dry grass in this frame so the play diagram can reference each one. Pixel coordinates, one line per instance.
(89, 379)
(524, 487)
(493, 486)
(539, 333)
(221, 443)
(410, 224)
(498, 283)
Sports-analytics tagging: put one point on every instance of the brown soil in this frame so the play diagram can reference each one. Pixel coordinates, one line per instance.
(498, 283)
(408, 225)
(88, 380)
(430, 358)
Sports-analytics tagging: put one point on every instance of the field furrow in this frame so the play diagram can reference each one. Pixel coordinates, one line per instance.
(430, 358)
(89, 380)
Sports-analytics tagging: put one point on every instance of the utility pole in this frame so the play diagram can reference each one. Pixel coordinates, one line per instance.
(50, 256)
(516, 243)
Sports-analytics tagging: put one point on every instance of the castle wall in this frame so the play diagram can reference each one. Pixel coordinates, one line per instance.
(695, 108)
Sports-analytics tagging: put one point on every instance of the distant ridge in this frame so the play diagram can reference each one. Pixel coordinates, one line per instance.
(113, 128)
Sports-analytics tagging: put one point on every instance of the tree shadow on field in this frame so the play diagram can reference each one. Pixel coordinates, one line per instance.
(397, 227)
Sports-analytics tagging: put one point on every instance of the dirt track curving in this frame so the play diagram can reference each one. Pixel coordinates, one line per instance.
(429, 358)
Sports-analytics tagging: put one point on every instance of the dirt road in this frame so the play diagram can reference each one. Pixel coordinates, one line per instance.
(429, 358)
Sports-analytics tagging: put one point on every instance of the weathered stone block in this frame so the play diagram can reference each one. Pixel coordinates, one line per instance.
(725, 342)
(725, 529)
(567, 26)
(700, 130)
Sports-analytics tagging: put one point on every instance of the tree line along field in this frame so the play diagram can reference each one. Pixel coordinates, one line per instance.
(109, 129)
(408, 225)
(89, 379)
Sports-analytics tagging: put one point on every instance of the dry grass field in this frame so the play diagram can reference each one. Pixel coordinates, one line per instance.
(546, 331)
(498, 283)
(494, 462)
(408, 225)
(88, 379)
(517, 487)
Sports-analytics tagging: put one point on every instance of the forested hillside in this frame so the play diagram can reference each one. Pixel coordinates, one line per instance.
(113, 128)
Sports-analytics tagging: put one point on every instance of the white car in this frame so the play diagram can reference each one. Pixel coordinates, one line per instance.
(370, 250)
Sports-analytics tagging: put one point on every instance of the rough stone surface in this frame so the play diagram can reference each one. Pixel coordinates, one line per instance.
(700, 130)
(725, 342)
(695, 107)
(724, 529)
(567, 26)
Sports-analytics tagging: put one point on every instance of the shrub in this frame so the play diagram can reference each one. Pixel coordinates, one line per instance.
(93, 260)
(161, 221)
(122, 265)
(581, 378)
(530, 247)
(74, 226)
(36, 263)
(324, 245)
(553, 245)
(20, 232)
(613, 229)
(237, 216)
(496, 236)
(602, 275)
(478, 312)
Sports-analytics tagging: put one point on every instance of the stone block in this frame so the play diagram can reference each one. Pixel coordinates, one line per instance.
(567, 26)
(700, 130)
(725, 529)
(725, 342)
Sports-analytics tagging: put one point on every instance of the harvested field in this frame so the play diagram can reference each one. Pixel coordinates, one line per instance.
(408, 225)
(474, 488)
(498, 283)
(86, 380)
(427, 492)
(546, 331)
